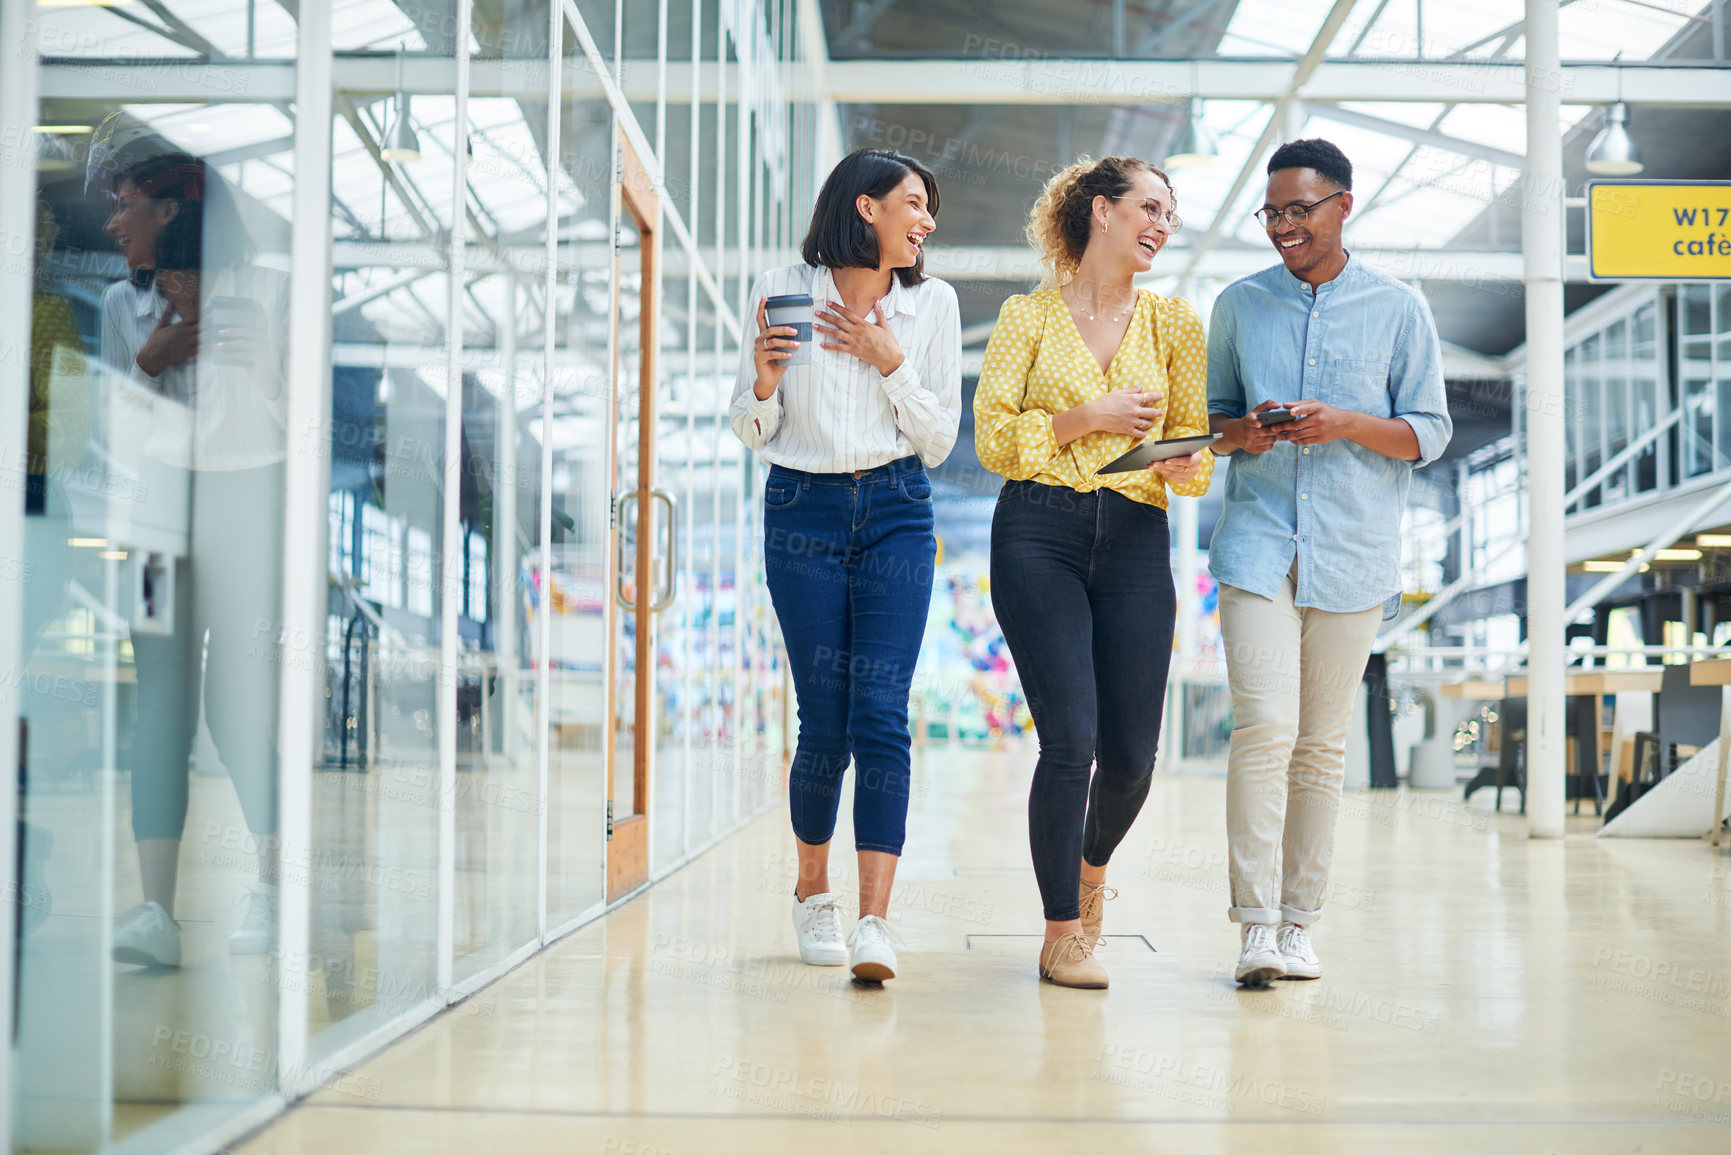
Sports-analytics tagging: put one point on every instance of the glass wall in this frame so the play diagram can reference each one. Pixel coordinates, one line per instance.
(151, 643)
(1611, 383)
(1704, 376)
(509, 348)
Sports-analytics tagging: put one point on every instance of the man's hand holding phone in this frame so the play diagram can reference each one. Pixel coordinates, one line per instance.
(1317, 423)
(1254, 437)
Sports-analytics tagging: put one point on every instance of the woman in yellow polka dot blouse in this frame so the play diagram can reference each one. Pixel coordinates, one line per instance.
(1075, 375)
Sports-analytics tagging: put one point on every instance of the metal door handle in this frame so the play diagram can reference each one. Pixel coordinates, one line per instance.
(625, 502)
(667, 595)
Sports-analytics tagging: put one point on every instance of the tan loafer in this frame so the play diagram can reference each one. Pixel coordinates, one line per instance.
(1094, 900)
(1070, 962)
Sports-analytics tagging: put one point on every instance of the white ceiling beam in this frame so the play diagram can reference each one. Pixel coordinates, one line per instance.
(1070, 81)
(903, 82)
(1009, 263)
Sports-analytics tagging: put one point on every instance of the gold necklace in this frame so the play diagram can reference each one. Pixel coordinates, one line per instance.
(1109, 320)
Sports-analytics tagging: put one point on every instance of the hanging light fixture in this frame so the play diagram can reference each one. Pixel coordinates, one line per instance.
(1613, 151)
(1195, 145)
(401, 146)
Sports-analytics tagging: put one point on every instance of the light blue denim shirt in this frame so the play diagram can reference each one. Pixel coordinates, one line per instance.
(1362, 341)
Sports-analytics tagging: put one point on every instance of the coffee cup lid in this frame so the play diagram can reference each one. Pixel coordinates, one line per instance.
(788, 301)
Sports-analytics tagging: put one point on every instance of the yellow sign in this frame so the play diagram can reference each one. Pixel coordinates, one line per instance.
(1659, 230)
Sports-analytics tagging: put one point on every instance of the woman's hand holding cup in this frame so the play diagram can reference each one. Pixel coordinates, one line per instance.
(770, 352)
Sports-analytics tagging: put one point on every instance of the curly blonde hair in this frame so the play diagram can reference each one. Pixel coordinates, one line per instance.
(1062, 219)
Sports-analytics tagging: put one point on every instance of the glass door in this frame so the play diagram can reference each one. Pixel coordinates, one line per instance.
(644, 544)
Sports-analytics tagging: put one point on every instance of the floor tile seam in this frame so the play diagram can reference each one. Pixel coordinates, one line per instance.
(1055, 1120)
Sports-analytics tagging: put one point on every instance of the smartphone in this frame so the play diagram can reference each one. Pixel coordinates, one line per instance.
(1275, 417)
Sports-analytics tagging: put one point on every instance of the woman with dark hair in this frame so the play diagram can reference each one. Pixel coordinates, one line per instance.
(198, 325)
(1075, 375)
(848, 544)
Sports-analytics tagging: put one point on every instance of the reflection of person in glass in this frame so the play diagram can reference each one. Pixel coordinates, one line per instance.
(59, 427)
(198, 325)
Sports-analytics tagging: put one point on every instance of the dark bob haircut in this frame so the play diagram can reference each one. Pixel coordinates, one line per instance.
(1322, 156)
(181, 178)
(839, 237)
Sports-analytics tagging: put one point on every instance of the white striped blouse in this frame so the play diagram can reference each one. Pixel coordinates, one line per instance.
(837, 414)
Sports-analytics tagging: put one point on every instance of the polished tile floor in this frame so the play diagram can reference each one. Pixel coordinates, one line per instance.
(1483, 994)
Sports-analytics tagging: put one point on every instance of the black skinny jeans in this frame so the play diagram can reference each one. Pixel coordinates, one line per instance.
(1082, 586)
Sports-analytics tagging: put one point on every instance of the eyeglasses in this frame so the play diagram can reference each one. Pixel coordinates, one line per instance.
(1157, 214)
(1294, 214)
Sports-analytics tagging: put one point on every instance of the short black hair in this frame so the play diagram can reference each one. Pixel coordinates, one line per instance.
(839, 237)
(178, 177)
(1321, 155)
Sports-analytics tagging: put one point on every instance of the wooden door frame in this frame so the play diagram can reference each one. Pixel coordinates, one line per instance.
(628, 835)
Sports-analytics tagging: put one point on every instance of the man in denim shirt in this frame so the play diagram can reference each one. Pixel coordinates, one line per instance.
(1308, 547)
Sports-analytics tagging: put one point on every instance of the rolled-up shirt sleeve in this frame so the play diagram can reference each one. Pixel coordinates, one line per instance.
(1012, 441)
(754, 419)
(925, 390)
(1416, 383)
(1225, 387)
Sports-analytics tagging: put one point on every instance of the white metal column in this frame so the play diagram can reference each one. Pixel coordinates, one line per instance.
(1186, 526)
(17, 269)
(454, 549)
(549, 336)
(1542, 274)
(305, 524)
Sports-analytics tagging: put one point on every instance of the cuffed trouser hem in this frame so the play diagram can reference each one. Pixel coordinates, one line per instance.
(1253, 914)
(881, 848)
(1301, 917)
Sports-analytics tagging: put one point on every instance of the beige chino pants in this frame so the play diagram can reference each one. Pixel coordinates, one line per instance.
(1295, 674)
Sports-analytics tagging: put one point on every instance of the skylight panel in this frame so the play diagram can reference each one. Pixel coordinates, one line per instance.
(96, 33)
(1495, 125)
(1273, 27)
(1414, 114)
(1602, 30)
(223, 23)
(358, 25)
(1447, 29)
(210, 129)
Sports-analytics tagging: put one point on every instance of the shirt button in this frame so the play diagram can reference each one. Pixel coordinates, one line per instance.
(1307, 449)
(1313, 360)
(1316, 314)
(1295, 537)
(1304, 497)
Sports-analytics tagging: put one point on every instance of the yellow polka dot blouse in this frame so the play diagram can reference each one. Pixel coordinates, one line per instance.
(1037, 365)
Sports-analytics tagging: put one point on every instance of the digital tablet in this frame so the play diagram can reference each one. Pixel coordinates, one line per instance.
(1149, 452)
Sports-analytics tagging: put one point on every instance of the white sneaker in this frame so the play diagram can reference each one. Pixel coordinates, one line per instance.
(817, 922)
(869, 951)
(257, 932)
(145, 936)
(1259, 962)
(1296, 952)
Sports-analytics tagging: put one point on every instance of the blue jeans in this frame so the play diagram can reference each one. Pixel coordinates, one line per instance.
(1082, 586)
(848, 560)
